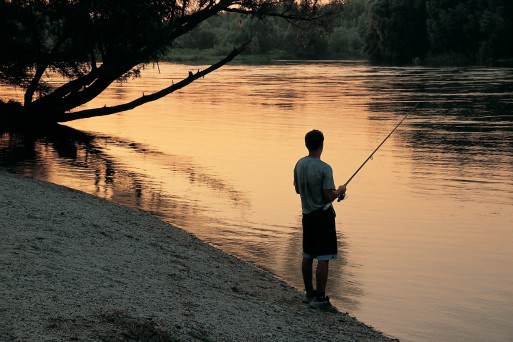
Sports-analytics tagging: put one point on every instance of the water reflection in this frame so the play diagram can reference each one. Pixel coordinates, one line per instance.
(80, 160)
(426, 228)
(464, 121)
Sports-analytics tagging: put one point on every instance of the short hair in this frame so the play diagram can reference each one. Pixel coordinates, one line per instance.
(314, 140)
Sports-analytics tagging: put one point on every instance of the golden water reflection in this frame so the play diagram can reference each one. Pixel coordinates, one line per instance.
(425, 233)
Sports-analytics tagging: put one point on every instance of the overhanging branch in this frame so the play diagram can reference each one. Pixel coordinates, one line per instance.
(88, 113)
(40, 69)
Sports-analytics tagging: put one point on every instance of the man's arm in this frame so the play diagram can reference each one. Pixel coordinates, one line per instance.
(331, 194)
(295, 181)
(297, 189)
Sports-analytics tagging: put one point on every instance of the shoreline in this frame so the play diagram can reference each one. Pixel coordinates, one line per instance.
(77, 267)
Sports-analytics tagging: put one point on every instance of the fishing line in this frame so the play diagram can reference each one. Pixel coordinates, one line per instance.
(342, 196)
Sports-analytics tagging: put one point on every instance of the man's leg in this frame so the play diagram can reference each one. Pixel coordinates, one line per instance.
(306, 267)
(321, 301)
(322, 277)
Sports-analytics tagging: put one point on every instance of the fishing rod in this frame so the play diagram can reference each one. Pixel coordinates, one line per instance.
(343, 195)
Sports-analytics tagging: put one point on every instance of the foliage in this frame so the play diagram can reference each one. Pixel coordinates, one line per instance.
(396, 30)
(385, 31)
(278, 38)
(477, 30)
(457, 31)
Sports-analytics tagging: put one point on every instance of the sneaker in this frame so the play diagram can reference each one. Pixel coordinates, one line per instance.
(309, 296)
(323, 304)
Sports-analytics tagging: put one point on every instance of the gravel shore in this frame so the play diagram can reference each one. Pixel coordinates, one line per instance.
(76, 267)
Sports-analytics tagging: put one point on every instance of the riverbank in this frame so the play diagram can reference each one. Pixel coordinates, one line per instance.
(76, 267)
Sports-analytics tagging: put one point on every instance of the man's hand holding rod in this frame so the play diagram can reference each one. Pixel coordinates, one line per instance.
(331, 194)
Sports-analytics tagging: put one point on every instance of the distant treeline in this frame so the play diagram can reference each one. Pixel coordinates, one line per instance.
(443, 31)
(383, 31)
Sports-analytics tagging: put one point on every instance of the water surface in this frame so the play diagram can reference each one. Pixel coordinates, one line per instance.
(425, 234)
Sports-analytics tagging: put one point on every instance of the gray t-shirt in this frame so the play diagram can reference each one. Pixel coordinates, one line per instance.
(311, 177)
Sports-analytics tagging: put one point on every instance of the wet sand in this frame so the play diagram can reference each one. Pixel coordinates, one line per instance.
(77, 267)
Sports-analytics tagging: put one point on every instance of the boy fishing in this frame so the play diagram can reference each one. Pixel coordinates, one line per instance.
(313, 181)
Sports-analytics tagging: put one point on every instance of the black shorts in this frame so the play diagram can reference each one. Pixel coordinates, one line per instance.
(319, 233)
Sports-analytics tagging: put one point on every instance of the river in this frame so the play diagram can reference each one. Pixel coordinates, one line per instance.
(426, 231)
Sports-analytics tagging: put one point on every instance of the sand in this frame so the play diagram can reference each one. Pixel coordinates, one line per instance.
(76, 267)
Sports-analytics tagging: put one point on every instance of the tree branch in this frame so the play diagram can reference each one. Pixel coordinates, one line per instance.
(88, 113)
(68, 88)
(41, 67)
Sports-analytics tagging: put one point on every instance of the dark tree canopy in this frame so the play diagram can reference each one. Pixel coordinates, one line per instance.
(436, 32)
(457, 31)
(396, 30)
(94, 43)
(480, 29)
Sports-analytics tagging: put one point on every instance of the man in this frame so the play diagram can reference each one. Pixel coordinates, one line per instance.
(313, 180)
